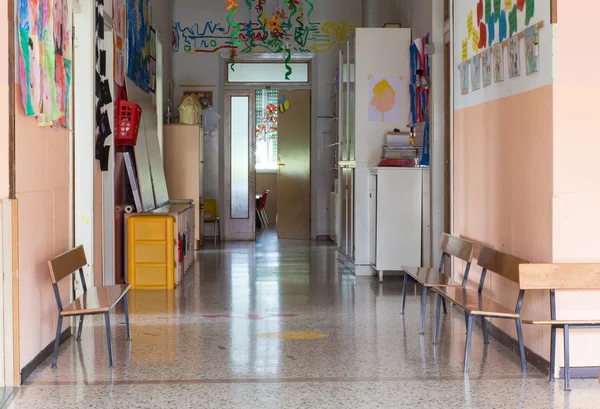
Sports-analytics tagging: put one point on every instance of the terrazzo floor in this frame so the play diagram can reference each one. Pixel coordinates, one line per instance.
(215, 342)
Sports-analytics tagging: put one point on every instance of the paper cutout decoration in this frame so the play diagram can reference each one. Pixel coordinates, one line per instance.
(497, 9)
(482, 35)
(514, 57)
(384, 94)
(491, 29)
(502, 34)
(498, 61)
(508, 4)
(475, 73)
(486, 67)
(529, 11)
(488, 9)
(520, 4)
(475, 42)
(464, 78)
(465, 50)
(512, 21)
(479, 11)
(470, 24)
(284, 104)
(532, 49)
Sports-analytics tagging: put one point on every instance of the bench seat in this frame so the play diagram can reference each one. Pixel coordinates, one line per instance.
(562, 322)
(97, 300)
(430, 277)
(474, 303)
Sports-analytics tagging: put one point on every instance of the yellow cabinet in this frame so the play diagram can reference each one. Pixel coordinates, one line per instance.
(151, 252)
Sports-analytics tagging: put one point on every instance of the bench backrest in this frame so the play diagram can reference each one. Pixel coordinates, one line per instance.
(66, 264)
(500, 263)
(560, 276)
(457, 247)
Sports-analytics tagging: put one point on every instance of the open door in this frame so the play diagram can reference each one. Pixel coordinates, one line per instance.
(293, 176)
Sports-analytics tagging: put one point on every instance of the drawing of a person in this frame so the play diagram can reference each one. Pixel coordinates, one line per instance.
(384, 97)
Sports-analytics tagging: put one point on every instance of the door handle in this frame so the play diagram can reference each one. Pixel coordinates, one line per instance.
(281, 164)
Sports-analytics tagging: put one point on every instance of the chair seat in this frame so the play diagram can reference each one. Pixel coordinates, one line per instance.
(475, 303)
(430, 277)
(96, 300)
(562, 322)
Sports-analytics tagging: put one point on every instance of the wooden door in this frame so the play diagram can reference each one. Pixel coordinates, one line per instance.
(293, 180)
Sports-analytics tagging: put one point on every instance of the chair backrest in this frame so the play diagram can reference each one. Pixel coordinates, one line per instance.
(263, 200)
(457, 247)
(500, 263)
(560, 276)
(66, 264)
(210, 205)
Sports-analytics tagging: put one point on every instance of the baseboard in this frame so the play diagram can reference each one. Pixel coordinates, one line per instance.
(540, 363)
(324, 237)
(581, 372)
(41, 357)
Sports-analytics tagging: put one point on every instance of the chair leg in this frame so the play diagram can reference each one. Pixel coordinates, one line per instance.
(444, 305)
(468, 343)
(57, 340)
(567, 358)
(80, 327)
(486, 339)
(404, 292)
(215, 232)
(552, 352)
(264, 216)
(423, 309)
(437, 318)
(219, 228)
(521, 345)
(126, 305)
(109, 344)
(467, 321)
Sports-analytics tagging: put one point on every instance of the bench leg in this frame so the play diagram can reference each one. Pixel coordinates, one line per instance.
(567, 358)
(521, 345)
(467, 321)
(552, 352)
(486, 339)
(437, 318)
(109, 344)
(468, 343)
(57, 340)
(80, 327)
(444, 304)
(126, 305)
(381, 276)
(423, 310)
(404, 292)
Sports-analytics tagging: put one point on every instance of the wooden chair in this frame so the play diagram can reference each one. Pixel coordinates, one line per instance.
(432, 277)
(93, 301)
(475, 304)
(554, 277)
(261, 212)
(210, 206)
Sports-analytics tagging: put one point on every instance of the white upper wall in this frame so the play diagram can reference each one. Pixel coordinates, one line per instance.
(162, 21)
(510, 86)
(201, 68)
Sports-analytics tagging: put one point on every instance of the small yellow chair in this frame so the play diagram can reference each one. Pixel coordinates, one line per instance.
(211, 208)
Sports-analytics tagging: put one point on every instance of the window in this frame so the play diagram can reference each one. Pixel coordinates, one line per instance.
(268, 72)
(266, 129)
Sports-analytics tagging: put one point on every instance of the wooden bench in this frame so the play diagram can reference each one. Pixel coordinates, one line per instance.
(554, 277)
(97, 300)
(435, 277)
(475, 304)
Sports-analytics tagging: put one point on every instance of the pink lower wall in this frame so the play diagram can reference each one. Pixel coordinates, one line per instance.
(503, 192)
(42, 187)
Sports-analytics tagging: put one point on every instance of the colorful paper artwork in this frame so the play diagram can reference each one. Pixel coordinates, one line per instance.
(44, 61)
(119, 36)
(508, 4)
(498, 62)
(529, 11)
(491, 30)
(497, 9)
(486, 67)
(488, 9)
(514, 57)
(465, 50)
(138, 43)
(464, 78)
(532, 49)
(384, 97)
(475, 73)
(512, 21)
(502, 27)
(482, 36)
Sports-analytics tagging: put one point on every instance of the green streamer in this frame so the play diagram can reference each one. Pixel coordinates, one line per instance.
(310, 10)
(236, 27)
(249, 3)
(288, 57)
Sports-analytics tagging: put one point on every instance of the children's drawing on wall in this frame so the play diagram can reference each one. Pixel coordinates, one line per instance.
(486, 67)
(514, 57)
(384, 105)
(475, 73)
(532, 49)
(464, 78)
(498, 57)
